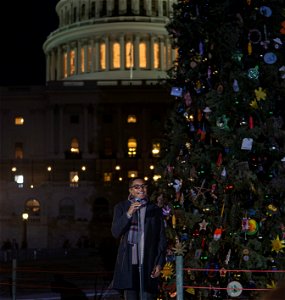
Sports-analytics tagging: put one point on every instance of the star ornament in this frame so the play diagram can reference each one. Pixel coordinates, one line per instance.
(203, 225)
(179, 249)
(254, 104)
(260, 94)
(167, 271)
(271, 285)
(277, 245)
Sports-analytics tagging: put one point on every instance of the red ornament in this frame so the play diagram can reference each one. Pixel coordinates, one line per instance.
(251, 122)
(219, 160)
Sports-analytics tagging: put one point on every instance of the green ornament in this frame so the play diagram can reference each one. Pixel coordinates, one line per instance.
(253, 73)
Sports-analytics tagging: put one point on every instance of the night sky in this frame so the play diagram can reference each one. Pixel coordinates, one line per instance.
(25, 26)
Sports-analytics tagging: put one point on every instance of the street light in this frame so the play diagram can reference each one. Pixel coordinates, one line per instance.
(25, 217)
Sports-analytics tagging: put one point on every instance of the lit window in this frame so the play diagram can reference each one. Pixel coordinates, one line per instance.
(132, 119)
(82, 60)
(74, 147)
(155, 149)
(156, 55)
(19, 152)
(73, 178)
(19, 179)
(116, 55)
(142, 55)
(129, 55)
(72, 62)
(65, 64)
(32, 207)
(132, 147)
(107, 177)
(103, 56)
(19, 121)
(132, 174)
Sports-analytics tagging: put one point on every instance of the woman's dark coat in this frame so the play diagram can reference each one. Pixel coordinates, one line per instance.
(154, 242)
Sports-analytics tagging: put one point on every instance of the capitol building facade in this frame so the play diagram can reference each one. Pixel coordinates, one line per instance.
(69, 148)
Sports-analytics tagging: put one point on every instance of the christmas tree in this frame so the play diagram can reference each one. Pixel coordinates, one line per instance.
(222, 166)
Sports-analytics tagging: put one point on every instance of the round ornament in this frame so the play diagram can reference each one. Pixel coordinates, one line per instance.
(253, 73)
(252, 227)
(265, 11)
(234, 289)
(270, 58)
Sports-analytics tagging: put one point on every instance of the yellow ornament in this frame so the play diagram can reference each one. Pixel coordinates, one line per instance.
(167, 271)
(260, 94)
(179, 249)
(249, 48)
(271, 285)
(190, 291)
(277, 245)
(254, 104)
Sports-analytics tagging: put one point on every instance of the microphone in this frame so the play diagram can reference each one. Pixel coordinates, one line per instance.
(138, 200)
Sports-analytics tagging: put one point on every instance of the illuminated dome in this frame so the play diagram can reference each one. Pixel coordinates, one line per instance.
(110, 40)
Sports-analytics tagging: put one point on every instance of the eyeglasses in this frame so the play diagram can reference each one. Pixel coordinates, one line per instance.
(138, 186)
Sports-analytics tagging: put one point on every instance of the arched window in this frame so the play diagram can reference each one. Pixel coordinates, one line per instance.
(116, 55)
(156, 55)
(32, 207)
(132, 147)
(143, 56)
(129, 55)
(103, 56)
(72, 62)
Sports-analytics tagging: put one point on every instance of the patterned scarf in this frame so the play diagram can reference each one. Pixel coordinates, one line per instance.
(133, 232)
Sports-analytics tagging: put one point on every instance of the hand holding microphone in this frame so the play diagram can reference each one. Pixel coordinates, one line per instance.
(134, 206)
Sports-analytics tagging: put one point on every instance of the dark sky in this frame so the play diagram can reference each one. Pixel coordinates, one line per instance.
(25, 26)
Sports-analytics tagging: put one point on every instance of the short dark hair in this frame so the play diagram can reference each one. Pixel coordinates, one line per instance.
(131, 182)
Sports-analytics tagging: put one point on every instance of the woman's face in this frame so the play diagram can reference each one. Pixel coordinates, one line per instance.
(138, 189)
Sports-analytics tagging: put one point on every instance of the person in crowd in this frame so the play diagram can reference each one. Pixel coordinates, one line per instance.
(139, 225)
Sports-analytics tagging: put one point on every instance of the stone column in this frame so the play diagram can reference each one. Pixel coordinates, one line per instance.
(123, 52)
(148, 8)
(162, 54)
(137, 52)
(107, 43)
(151, 58)
(52, 65)
(47, 66)
(68, 60)
(92, 67)
(59, 64)
(97, 56)
(122, 7)
(86, 57)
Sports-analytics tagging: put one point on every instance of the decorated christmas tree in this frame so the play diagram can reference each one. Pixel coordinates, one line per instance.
(222, 167)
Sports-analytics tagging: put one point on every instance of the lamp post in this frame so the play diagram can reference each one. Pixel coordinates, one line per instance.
(25, 217)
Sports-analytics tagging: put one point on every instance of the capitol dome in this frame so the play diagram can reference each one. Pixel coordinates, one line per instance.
(110, 40)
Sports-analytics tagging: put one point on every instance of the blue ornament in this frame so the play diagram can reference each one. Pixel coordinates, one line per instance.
(265, 11)
(270, 58)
